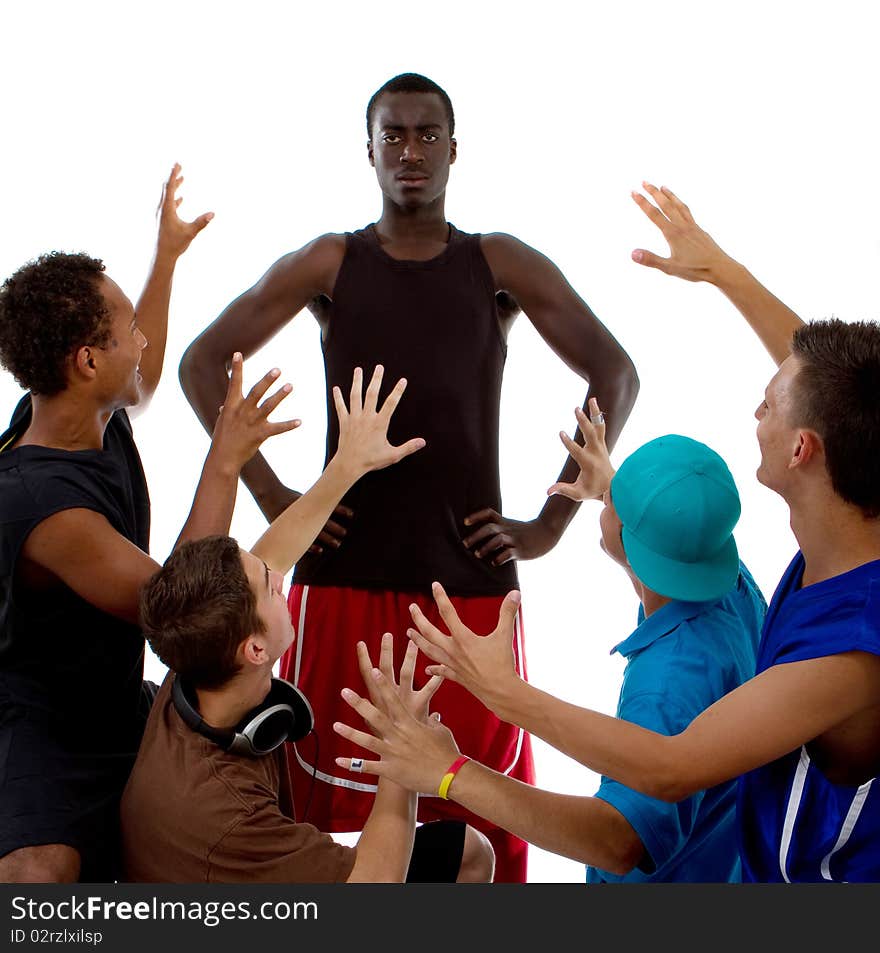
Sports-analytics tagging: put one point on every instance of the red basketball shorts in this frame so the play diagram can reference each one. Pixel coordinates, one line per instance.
(329, 622)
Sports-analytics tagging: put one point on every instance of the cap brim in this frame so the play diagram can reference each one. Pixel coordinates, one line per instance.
(692, 582)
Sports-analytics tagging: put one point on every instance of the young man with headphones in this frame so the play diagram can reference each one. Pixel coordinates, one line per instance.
(209, 798)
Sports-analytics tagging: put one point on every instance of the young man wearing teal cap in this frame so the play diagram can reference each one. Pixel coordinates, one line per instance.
(668, 521)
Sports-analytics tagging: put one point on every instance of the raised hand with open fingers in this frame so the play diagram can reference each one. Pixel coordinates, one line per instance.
(413, 752)
(363, 425)
(693, 254)
(592, 458)
(483, 664)
(243, 422)
(416, 701)
(175, 235)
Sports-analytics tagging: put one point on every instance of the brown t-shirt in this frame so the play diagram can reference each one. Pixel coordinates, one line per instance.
(192, 813)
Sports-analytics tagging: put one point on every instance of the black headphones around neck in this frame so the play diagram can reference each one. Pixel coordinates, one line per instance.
(284, 715)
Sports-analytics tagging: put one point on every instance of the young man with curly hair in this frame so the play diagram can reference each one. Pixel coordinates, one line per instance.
(74, 544)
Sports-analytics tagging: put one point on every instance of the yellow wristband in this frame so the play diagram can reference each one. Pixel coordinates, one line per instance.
(443, 790)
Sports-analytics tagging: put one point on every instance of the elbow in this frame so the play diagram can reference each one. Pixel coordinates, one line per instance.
(624, 855)
(613, 380)
(619, 849)
(672, 792)
(633, 377)
(628, 380)
(671, 786)
(187, 370)
(668, 778)
(197, 360)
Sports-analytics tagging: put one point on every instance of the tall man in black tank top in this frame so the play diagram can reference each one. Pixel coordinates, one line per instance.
(435, 305)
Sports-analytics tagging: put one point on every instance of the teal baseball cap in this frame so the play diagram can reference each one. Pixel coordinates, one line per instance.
(678, 504)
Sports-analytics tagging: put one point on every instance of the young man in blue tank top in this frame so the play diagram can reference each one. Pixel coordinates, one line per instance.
(803, 735)
(434, 305)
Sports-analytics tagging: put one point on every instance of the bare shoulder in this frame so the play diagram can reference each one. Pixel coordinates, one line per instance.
(321, 253)
(512, 261)
(329, 245)
(503, 246)
(502, 243)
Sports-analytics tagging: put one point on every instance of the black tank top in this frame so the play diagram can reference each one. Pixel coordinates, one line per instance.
(435, 323)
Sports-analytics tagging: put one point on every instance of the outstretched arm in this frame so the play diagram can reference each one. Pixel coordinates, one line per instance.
(80, 548)
(175, 236)
(242, 426)
(363, 446)
(770, 715)
(247, 324)
(580, 339)
(695, 256)
(416, 754)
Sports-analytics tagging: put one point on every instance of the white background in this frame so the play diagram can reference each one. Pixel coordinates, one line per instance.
(762, 116)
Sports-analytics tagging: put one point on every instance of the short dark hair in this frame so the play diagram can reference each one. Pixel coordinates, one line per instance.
(49, 308)
(838, 395)
(410, 83)
(197, 610)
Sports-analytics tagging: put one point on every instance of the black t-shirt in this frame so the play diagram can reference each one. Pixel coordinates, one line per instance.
(60, 657)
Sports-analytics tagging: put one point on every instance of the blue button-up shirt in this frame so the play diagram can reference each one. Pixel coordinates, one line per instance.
(680, 660)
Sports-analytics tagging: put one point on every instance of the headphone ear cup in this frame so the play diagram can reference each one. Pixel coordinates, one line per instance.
(266, 730)
(302, 717)
(285, 715)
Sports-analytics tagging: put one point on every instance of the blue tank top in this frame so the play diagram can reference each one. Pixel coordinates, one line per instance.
(794, 824)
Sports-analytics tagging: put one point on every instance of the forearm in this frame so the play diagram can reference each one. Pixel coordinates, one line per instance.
(269, 493)
(582, 828)
(294, 531)
(773, 321)
(649, 762)
(152, 318)
(214, 501)
(559, 510)
(385, 845)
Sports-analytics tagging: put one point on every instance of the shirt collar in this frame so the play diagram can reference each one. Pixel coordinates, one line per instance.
(659, 623)
(21, 419)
